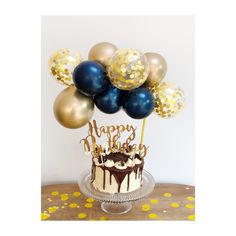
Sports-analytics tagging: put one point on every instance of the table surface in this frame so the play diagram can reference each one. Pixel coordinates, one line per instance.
(167, 202)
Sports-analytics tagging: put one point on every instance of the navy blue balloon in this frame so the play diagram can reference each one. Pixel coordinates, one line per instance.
(110, 101)
(90, 78)
(139, 103)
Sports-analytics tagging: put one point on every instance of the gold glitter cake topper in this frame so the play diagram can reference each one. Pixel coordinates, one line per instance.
(113, 134)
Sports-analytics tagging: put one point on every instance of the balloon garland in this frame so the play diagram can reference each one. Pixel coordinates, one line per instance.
(112, 78)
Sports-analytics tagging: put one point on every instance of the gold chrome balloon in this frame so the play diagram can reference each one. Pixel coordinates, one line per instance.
(168, 100)
(158, 68)
(128, 69)
(62, 64)
(72, 109)
(102, 53)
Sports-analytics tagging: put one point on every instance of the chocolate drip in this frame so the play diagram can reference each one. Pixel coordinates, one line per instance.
(114, 157)
(119, 178)
(136, 171)
(93, 173)
(110, 177)
(104, 178)
(128, 180)
(139, 172)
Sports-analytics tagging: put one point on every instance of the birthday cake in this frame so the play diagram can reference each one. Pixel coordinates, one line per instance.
(116, 166)
(117, 172)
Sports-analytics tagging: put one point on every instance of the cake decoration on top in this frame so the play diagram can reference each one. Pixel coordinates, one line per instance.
(113, 145)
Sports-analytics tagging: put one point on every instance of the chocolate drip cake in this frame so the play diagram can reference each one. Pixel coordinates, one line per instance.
(117, 172)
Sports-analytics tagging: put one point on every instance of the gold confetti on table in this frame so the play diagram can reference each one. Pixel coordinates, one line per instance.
(152, 216)
(167, 202)
(146, 207)
(44, 216)
(88, 205)
(167, 194)
(189, 206)
(52, 209)
(191, 198)
(191, 217)
(104, 218)
(73, 205)
(90, 200)
(64, 196)
(174, 204)
(76, 194)
(55, 193)
(82, 215)
(154, 201)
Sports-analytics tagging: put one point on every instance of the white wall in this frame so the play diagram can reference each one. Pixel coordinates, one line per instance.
(171, 142)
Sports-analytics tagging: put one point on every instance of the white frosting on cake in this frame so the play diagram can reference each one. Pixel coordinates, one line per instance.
(120, 166)
(109, 163)
(137, 161)
(129, 163)
(106, 149)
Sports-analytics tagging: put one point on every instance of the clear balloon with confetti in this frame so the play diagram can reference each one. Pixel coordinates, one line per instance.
(169, 100)
(62, 64)
(128, 69)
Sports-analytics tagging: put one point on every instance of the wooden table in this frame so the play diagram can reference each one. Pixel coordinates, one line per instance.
(167, 202)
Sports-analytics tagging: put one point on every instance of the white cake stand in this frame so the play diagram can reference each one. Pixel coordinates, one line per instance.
(117, 203)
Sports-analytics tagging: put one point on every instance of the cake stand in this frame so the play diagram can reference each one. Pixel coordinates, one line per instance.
(117, 203)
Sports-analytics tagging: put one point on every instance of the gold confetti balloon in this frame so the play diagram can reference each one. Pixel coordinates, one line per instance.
(128, 69)
(62, 64)
(169, 100)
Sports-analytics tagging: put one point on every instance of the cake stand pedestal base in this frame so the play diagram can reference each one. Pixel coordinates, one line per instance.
(116, 208)
(116, 203)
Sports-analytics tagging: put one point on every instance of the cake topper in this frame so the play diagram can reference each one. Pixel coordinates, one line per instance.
(113, 134)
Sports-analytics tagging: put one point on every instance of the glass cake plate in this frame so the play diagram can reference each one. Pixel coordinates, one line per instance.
(116, 203)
